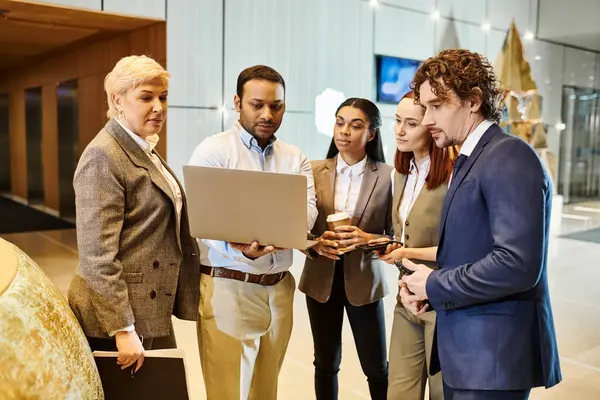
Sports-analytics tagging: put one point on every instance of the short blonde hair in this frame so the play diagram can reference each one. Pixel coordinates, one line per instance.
(129, 73)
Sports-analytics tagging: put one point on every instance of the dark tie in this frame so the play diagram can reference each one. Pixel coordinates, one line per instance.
(459, 163)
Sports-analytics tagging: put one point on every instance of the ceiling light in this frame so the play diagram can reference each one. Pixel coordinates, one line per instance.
(486, 26)
(373, 3)
(560, 126)
(528, 36)
(537, 58)
(435, 15)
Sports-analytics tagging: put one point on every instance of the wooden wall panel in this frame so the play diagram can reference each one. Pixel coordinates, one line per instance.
(50, 146)
(89, 64)
(18, 144)
(92, 108)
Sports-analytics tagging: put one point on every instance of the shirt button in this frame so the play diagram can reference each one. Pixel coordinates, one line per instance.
(155, 264)
(153, 294)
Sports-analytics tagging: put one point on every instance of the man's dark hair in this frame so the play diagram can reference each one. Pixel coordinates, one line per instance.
(261, 72)
(469, 74)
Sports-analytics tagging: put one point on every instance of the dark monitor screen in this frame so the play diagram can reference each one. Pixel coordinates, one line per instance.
(393, 77)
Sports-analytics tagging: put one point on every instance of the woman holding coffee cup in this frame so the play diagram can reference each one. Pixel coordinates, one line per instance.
(420, 182)
(354, 199)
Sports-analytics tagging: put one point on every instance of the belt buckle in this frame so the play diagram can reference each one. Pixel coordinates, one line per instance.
(246, 277)
(262, 277)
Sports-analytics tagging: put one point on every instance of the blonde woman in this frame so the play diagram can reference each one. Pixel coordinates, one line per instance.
(138, 264)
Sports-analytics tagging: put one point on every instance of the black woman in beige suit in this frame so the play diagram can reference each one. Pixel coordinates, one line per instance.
(353, 179)
(420, 182)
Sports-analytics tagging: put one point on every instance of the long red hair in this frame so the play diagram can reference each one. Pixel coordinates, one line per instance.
(442, 160)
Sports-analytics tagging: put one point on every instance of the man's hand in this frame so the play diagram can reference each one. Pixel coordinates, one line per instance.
(327, 246)
(417, 281)
(351, 236)
(411, 302)
(254, 250)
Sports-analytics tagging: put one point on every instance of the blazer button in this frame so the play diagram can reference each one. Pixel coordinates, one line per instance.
(406, 223)
(153, 294)
(406, 237)
(155, 264)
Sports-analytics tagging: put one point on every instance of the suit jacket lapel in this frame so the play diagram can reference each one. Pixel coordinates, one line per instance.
(462, 173)
(366, 190)
(137, 156)
(328, 186)
(183, 198)
(399, 186)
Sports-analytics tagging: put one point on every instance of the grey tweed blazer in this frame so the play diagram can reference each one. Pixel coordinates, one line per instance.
(136, 266)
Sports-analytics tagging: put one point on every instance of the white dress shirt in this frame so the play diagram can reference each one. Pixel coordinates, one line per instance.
(347, 184)
(415, 181)
(147, 145)
(472, 140)
(238, 149)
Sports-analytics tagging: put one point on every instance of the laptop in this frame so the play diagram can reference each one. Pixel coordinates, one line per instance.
(240, 206)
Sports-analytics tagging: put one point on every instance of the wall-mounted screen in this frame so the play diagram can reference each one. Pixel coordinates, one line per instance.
(393, 77)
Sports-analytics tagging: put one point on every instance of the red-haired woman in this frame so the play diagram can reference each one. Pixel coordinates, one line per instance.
(419, 184)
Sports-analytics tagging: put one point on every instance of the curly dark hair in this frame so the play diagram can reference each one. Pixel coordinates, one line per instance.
(467, 73)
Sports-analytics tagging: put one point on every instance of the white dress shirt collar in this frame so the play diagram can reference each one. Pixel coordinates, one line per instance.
(420, 166)
(356, 169)
(147, 144)
(474, 137)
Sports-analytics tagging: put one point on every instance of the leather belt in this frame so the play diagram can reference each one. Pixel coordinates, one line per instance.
(265, 280)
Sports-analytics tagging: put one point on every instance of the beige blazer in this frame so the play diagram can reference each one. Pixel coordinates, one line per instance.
(423, 222)
(136, 266)
(363, 275)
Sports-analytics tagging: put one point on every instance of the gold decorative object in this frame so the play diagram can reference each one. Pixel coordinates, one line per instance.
(43, 351)
(522, 114)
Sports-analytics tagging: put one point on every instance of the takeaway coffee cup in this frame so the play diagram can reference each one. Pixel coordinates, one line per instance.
(338, 219)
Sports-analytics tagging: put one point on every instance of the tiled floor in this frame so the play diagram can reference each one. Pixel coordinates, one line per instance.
(574, 270)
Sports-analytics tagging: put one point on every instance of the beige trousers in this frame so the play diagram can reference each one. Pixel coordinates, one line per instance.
(410, 353)
(243, 333)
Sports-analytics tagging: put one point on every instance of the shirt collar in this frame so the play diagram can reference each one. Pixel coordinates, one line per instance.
(474, 137)
(147, 145)
(247, 138)
(357, 168)
(421, 166)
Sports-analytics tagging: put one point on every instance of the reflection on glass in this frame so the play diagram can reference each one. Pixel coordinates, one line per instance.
(579, 175)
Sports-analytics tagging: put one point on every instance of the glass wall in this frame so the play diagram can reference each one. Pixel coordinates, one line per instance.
(579, 173)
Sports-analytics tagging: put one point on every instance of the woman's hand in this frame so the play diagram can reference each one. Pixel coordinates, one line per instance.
(130, 350)
(351, 236)
(327, 246)
(393, 252)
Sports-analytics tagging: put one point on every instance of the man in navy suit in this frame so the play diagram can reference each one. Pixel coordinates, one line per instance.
(495, 331)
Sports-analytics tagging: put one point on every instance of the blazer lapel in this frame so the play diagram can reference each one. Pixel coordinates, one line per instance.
(399, 186)
(462, 173)
(328, 186)
(183, 198)
(366, 190)
(137, 156)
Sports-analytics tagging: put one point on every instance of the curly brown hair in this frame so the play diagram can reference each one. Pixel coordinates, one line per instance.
(467, 73)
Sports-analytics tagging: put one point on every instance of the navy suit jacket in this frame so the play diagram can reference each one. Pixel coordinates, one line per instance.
(495, 329)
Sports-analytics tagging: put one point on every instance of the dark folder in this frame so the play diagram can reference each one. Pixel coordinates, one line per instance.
(161, 377)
